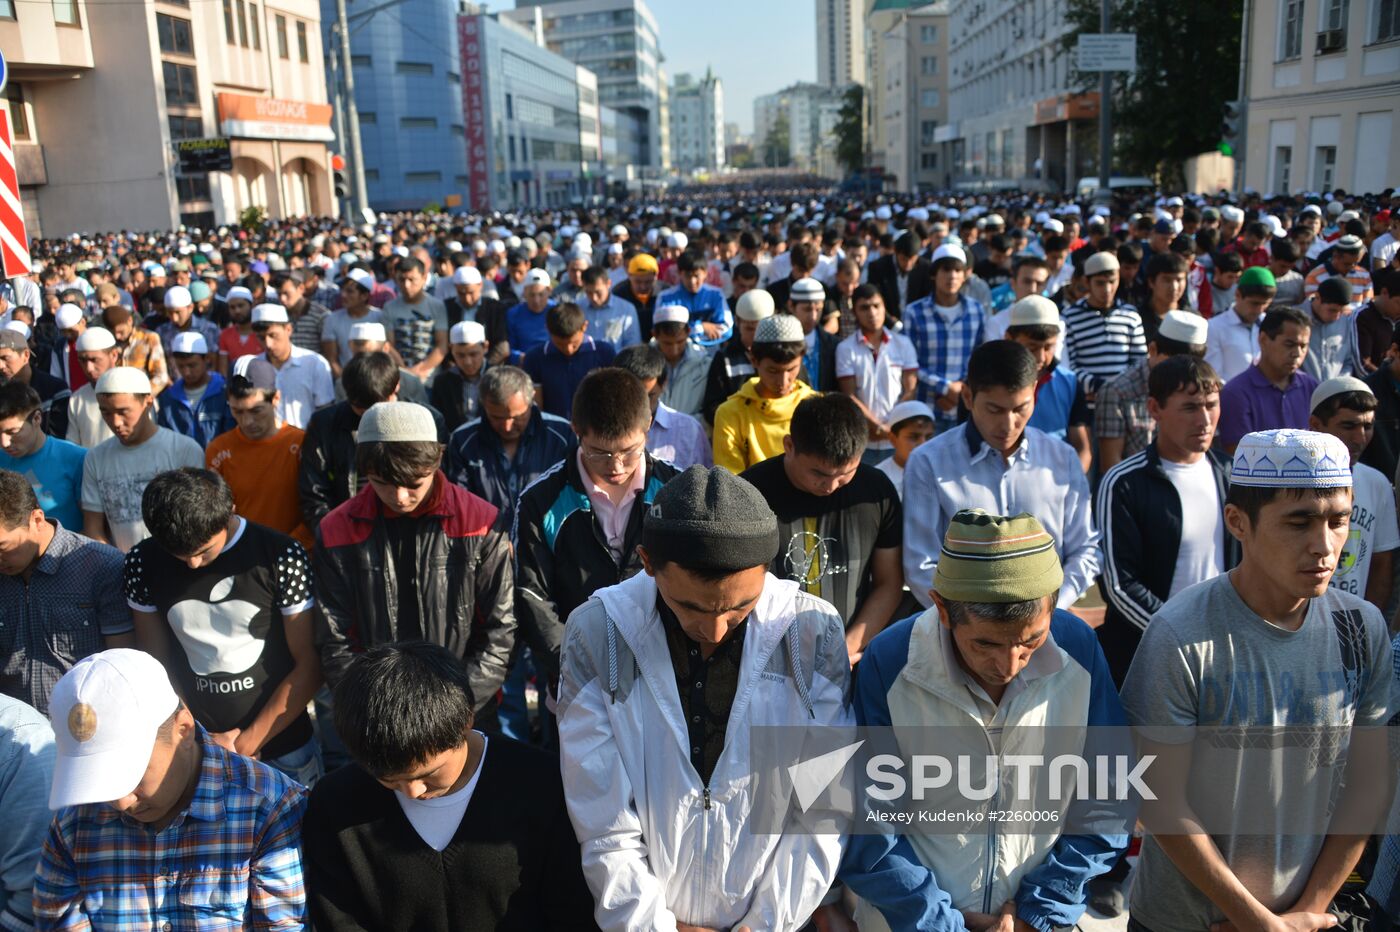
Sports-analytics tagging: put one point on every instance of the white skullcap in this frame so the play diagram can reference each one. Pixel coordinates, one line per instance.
(94, 339)
(178, 296)
(397, 422)
(1341, 385)
(68, 316)
(370, 330)
(270, 314)
(1101, 262)
(671, 314)
(1291, 459)
(1184, 327)
(754, 305)
(123, 380)
(238, 291)
(467, 275)
(467, 332)
(1035, 311)
(950, 251)
(188, 341)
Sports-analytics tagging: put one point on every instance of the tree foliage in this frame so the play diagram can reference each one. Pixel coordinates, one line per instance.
(1188, 61)
(777, 145)
(850, 129)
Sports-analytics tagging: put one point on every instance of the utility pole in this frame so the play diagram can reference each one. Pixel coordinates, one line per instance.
(338, 99)
(1105, 192)
(358, 191)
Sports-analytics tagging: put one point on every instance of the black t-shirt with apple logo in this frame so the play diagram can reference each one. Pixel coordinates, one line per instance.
(228, 645)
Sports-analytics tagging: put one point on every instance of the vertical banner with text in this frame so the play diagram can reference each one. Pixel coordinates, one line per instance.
(472, 39)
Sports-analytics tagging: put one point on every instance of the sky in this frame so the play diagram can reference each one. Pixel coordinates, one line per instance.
(755, 47)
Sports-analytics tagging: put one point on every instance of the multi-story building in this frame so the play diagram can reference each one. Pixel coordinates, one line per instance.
(840, 43)
(408, 89)
(618, 41)
(697, 123)
(535, 132)
(1013, 119)
(914, 98)
(1322, 98)
(880, 17)
(811, 113)
(96, 123)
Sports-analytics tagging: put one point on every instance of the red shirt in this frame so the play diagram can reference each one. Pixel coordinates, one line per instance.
(235, 345)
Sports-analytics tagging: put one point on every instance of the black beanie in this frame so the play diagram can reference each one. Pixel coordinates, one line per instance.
(711, 519)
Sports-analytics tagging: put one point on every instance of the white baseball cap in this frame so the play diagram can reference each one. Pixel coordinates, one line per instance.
(68, 315)
(93, 339)
(467, 275)
(536, 277)
(123, 380)
(106, 712)
(270, 314)
(368, 330)
(671, 314)
(362, 278)
(618, 230)
(178, 296)
(20, 327)
(467, 332)
(908, 409)
(188, 341)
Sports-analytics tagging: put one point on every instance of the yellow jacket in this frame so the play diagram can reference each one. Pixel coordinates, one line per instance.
(750, 428)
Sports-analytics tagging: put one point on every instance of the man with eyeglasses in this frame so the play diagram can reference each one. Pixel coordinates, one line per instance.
(577, 526)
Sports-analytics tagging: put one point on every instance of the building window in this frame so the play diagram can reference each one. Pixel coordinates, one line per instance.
(1283, 169)
(371, 174)
(174, 35)
(926, 130)
(418, 123)
(65, 12)
(929, 98)
(186, 127)
(242, 23)
(1324, 167)
(229, 35)
(928, 65)
(928, 161)
(256, 28)
(368, 117)
(282, 50)
(193, 189)
(7, 9)
(1387, 20)
(454, 77)
(928, 34)
(303, 50)
(1291, 25)
(1332, 25)
(19, 116)
(360, 61)
(422, 177)
(414, 67)
(458, 129)
(180, 84)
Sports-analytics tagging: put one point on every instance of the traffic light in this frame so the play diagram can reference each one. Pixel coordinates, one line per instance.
(342, 183)
(1231, 127)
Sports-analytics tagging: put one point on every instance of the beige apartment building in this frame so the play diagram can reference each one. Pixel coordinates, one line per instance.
(913, 98)
(100, 93)
(1322, 85)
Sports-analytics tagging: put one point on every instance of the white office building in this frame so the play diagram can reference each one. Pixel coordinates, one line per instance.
(840, 43)
(697, 123)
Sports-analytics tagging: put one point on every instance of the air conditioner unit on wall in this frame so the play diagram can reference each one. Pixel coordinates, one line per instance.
(1331, 40)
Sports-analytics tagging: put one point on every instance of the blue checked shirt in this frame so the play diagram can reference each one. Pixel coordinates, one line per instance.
(230, 861)
(943, 342)
(706, 306)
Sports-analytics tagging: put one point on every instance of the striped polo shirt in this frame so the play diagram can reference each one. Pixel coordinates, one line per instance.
(1101, 344)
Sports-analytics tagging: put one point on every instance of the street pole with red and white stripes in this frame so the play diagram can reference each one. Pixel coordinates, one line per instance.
(14, 242)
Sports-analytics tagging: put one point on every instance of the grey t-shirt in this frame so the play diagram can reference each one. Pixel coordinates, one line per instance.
(411, 326)
(1207, 660)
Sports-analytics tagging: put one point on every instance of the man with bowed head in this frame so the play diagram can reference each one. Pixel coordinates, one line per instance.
(705, 637)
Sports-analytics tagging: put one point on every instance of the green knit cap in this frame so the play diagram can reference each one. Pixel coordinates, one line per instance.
(1258, 277)
(993, 558)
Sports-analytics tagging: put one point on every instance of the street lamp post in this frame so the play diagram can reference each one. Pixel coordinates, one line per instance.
(359, 193)
(1105, 193)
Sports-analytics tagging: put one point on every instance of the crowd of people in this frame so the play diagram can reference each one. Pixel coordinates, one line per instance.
(439, 573)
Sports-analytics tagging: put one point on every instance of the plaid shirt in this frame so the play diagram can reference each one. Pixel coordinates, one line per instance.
(1122, 410)
(230, 861)
(943, 344)
(143, 351)
(73, 600)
